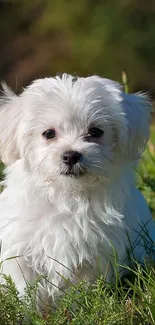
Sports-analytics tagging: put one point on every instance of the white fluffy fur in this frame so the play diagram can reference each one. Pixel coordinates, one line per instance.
(65, 225)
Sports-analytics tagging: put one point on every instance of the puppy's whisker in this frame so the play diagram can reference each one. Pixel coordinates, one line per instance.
(100, 167)
(108, 158)
(41, 162)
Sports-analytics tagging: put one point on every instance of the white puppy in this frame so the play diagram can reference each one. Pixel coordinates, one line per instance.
(69, 202)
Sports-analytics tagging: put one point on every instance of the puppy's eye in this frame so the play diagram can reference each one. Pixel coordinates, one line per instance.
(96, 132)
(49, 134)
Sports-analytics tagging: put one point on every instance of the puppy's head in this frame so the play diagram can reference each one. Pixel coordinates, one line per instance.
(73, 132)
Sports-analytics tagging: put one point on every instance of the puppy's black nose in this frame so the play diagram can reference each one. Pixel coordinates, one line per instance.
(71, 157)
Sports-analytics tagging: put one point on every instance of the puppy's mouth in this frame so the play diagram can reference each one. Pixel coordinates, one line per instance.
(74, 171)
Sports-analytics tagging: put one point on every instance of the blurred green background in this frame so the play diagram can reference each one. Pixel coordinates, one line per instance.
(43, 37)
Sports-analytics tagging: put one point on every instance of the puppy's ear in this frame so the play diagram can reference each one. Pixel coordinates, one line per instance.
(10, 114)
(137, 109)
(133, 124)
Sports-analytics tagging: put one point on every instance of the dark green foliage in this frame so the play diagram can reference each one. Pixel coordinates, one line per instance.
(39, 38)
(10, 305)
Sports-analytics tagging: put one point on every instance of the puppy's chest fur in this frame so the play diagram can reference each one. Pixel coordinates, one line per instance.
(64, 237)
(76, 237)
(69, 234)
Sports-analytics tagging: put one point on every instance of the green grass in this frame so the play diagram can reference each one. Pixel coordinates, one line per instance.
(146, 172)
(127, 302)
